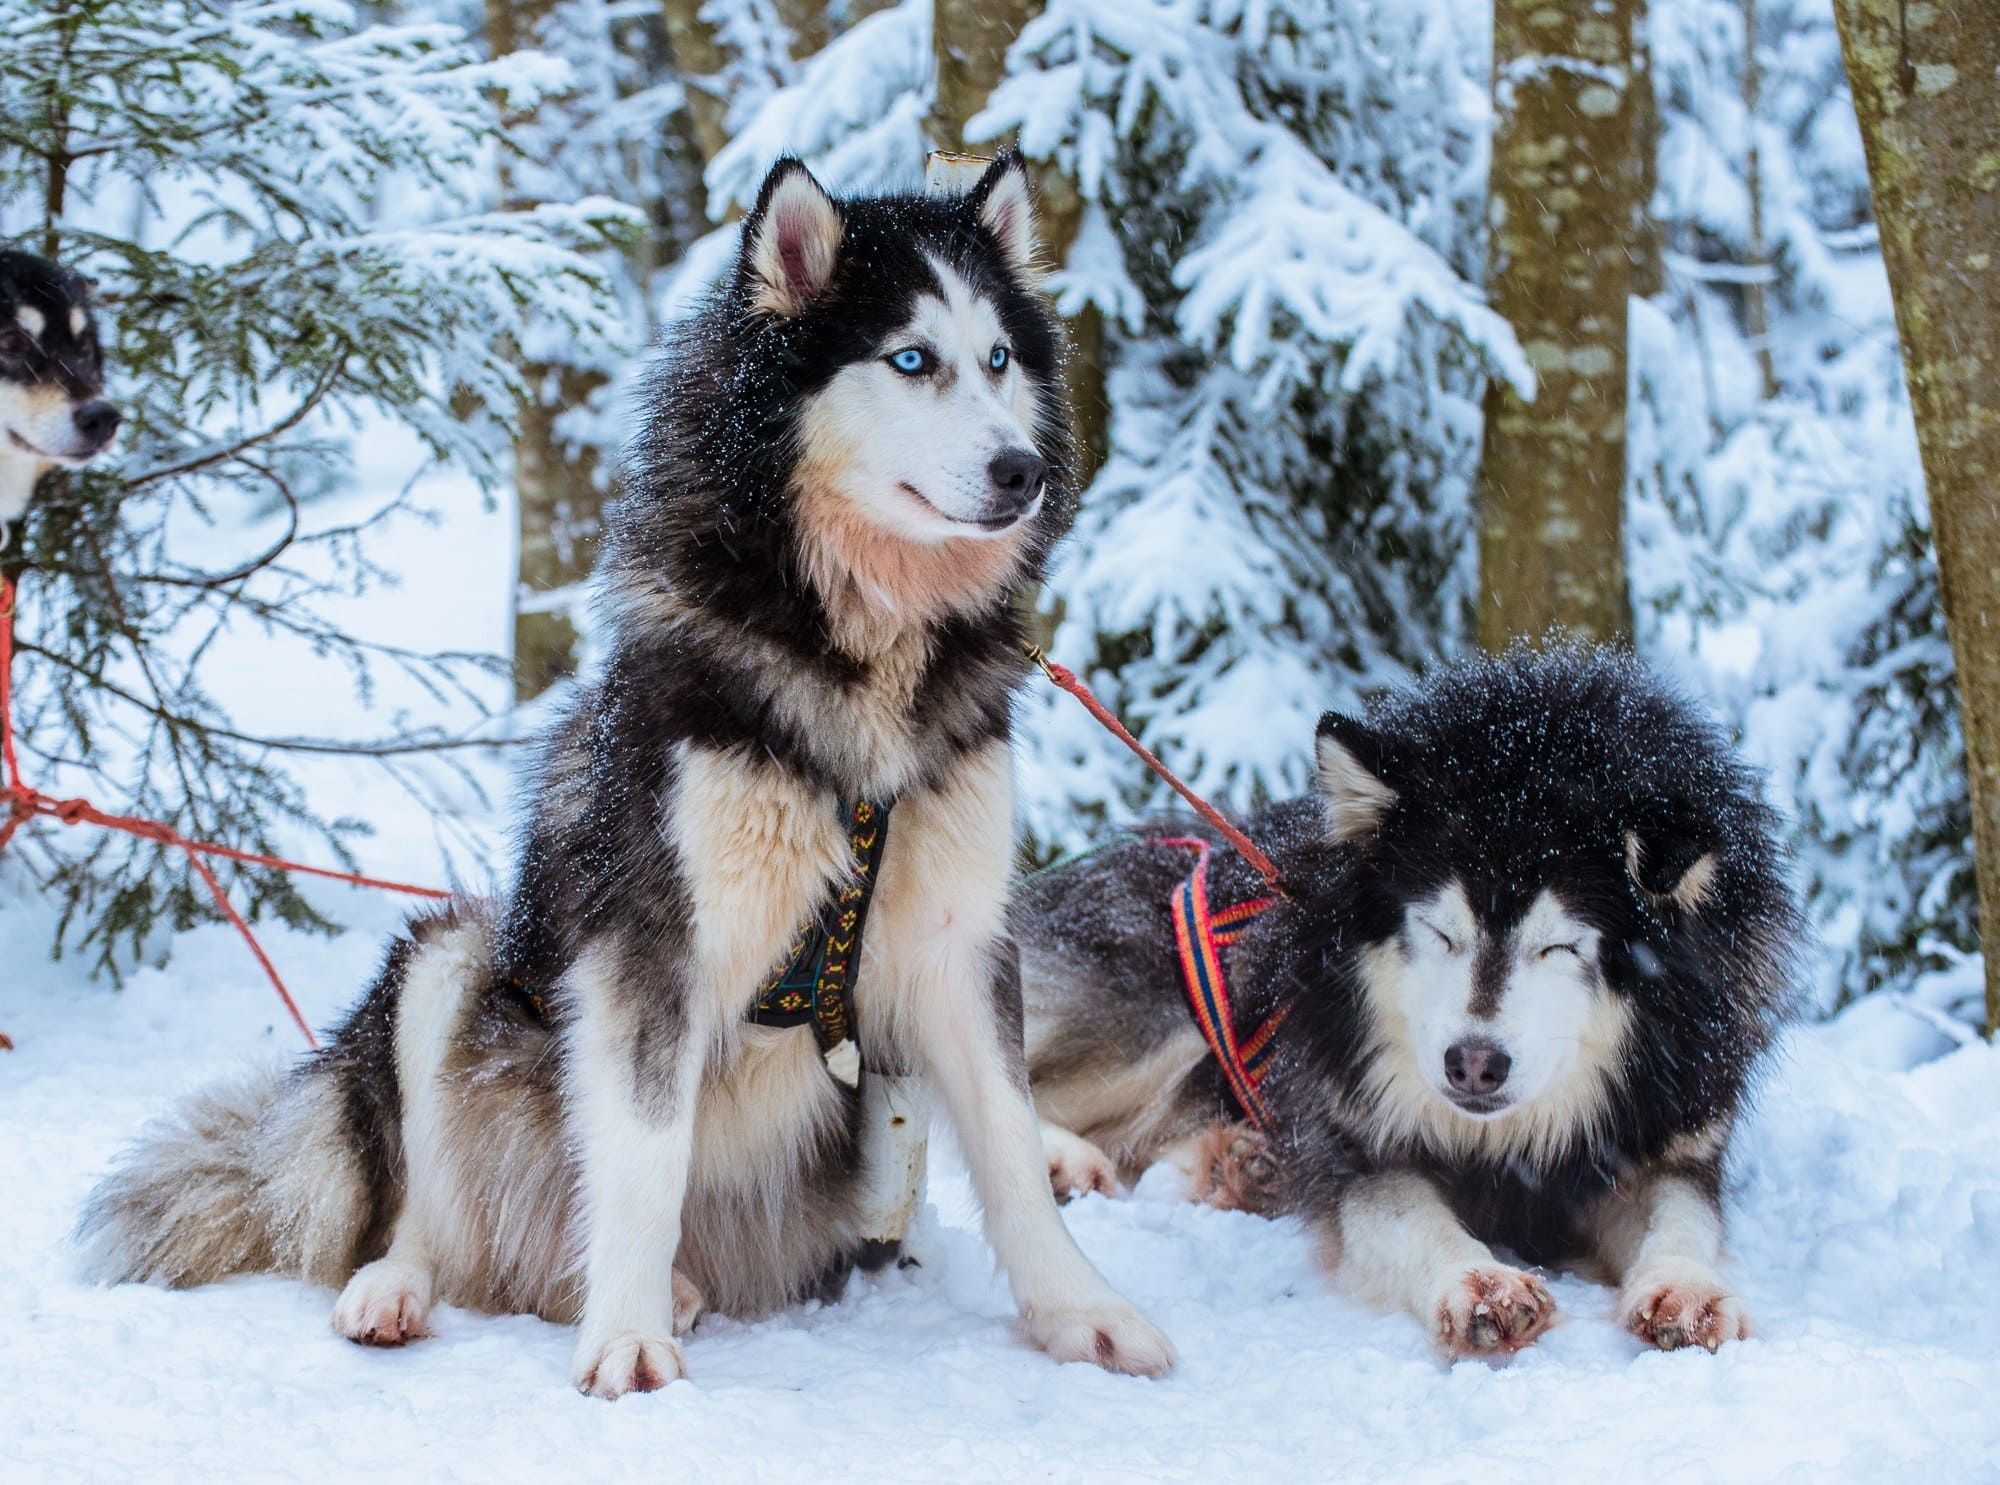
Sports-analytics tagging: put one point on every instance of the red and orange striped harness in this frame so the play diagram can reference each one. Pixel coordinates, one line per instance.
(1200, 934)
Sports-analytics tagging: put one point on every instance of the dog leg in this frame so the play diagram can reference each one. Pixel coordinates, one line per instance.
(950, 980)
(387, 1302)
(633, 1124)
(1661, 1241)
(1397, 1244)
(1076, 1166)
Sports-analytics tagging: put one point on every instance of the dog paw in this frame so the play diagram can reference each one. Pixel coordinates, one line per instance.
(689, 1302)
(1233, 1167)
(1675, 1309)
(1076, 1166)
(384, 1304)
(624, 1363)
(1491, 1310)
(1114, 1336)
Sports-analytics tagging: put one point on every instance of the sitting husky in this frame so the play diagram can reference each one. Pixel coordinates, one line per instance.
(1539, 937)
(855, 461)
(52, 409)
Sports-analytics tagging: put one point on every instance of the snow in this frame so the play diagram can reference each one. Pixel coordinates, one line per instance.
(1866, 1209)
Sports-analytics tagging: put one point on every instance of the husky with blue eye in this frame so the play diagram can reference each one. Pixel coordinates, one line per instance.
(1538, 941)
(765, 858)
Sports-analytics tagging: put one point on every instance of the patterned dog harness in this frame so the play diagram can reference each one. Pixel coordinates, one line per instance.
(1201, 934)
(813, 984)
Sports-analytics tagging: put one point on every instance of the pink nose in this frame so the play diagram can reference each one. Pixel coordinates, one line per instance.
(1476, 1065)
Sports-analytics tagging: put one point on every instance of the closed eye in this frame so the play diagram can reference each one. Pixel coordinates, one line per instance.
(1549, 951)
(912, 360)
(1450, 943)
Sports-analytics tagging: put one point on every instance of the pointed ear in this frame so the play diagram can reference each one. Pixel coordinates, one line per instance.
(1006, 207)
(790, 241)
(1673, 866)
(1356, 796)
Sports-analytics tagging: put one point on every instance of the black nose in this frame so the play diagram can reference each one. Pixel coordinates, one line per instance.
(97, 421)
(1476, 1065)
(1016, 474)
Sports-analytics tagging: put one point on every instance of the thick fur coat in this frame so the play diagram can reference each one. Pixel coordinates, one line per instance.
(852, 464)
(1539, 940)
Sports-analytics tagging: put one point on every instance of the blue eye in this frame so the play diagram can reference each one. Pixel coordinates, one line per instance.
(999, 359)
(911, 361)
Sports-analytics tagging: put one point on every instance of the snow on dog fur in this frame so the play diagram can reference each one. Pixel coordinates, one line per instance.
(853, 463)
(1540, 937)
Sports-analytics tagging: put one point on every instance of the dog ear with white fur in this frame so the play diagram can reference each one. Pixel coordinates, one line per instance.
(791, 241)
(1005, 202)
(1352, 777)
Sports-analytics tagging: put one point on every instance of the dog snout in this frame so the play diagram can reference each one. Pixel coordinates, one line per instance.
(96, 422)
(1476, 1067)
(1017, 476)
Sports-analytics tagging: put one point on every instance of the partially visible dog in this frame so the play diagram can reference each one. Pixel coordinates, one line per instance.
(52, 408)
(854, 463)
(1540, 938)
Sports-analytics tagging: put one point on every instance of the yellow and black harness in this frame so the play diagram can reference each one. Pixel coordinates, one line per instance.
(813, 984)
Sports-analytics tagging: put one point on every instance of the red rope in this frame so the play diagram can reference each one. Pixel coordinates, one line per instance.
(25, 803)
(1066, 678)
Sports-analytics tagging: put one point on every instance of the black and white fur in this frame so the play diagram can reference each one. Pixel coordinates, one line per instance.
(1540, 939)
(52, 409)
(853, 463)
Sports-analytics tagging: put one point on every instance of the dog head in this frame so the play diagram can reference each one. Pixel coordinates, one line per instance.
(1548, 851)
(917, 376)
(52, 408)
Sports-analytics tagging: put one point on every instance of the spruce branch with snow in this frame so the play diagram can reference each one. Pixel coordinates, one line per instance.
(226, 173)
(1281, 231)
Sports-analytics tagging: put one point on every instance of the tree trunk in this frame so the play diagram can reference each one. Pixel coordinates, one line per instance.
(1649, 273)
(1926, 82)
(558, 499)
(1566, 181)
(970, 39)
(1756, 296)
(699, 59)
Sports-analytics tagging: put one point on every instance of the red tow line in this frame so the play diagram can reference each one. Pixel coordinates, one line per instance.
(1066, 679)
(25, 803)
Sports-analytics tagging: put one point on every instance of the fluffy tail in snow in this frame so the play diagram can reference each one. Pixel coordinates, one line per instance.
(255, 1176)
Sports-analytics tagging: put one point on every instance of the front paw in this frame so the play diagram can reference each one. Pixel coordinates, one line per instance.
(1687, 1307)
(1114, 1336)
(1076, 1166)
(1491, 1310)
(384, 1304)
(1234, 1168)
(626, 1362)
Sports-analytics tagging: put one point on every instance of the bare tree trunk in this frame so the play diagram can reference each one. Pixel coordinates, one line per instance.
(555, 483)
(1566, 181)
(1756, 311)
(970, 38)
(699, 59)
(1926, 82)
(1649, 274)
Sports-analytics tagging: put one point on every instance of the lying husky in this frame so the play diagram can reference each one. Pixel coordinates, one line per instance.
(52, 409)
(855, 461)
(1538, 941)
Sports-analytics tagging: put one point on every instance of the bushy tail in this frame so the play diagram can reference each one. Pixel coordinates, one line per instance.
(254, 1176)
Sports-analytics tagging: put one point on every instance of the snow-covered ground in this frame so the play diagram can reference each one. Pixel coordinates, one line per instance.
(1866, 1231)
(1866, 1219)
